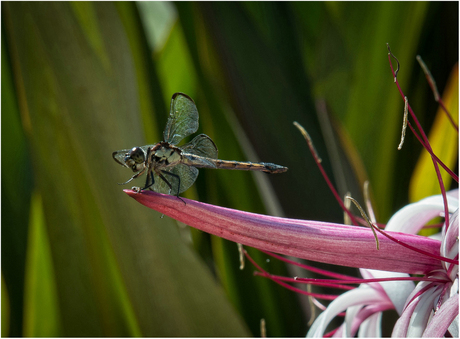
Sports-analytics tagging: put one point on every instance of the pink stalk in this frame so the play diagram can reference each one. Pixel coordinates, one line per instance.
(313, 240)
(418, 250)
(310, 268)
(447, 169)
(323, 172)
(425, 138)
(285, 285)
(368, 280)
(354, 219)
(310, 281)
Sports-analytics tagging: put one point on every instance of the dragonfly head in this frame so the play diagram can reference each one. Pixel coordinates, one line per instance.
(135, 159)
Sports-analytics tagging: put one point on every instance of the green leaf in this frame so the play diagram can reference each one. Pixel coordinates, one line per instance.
(356, 81)
(5, 310)
(41, 316)
(444, 142)
(16, 192)
(119, 269)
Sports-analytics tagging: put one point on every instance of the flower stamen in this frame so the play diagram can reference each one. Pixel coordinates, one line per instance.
(426, 143)
(403, 132)
(241, 255)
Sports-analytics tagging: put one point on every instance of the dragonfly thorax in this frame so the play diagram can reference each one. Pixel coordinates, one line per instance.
(166, 155)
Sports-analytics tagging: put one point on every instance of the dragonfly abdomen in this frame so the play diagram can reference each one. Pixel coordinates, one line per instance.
(249, 166)
(200, 162)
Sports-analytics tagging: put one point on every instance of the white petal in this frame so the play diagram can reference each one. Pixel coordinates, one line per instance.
(422, 312)
(449, 245)
(446, 318)
(397, 291)
(349, 317)
(354, 297)
(371, 327)
(411, 218)
(453, 328)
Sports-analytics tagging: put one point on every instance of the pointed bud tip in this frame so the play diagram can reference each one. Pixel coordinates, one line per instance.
(153, 199)
(129, 192)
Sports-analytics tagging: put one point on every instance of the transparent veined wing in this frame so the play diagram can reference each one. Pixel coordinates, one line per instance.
(187, 177)
(204, 147)
(119, 156)
(201, 145)
(183, 119)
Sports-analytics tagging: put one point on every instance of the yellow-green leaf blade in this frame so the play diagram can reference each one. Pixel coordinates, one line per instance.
(444, 142)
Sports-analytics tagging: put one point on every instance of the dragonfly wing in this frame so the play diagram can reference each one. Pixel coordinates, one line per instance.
(201, 145)
(162, 187)
(187, 177)
(183, 119)
(193, 160)
(119, 156)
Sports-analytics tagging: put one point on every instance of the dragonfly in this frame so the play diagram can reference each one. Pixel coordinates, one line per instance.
(171, 169)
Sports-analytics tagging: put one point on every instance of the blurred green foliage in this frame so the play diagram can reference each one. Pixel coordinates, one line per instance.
(81, 80)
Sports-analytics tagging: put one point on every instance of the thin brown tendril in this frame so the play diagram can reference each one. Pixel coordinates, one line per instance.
(369, 222)
(429, 77)
(397, 68)
(367, 199)
(307, 137)
(435, 91)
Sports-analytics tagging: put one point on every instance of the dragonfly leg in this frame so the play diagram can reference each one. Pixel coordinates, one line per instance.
(135, 176)
(153, 181)
(149, 179)
(169, 184)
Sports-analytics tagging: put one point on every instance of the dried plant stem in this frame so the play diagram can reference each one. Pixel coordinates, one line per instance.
(434, 88)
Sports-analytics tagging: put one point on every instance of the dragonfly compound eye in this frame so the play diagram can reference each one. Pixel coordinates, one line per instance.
(137, 154)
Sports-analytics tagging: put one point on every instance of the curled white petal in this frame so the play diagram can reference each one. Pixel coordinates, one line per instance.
(397, 291)
(411, 218)
(446, 318)
(422, 312)
(371, 327)
(358, 296)
(449, 244)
